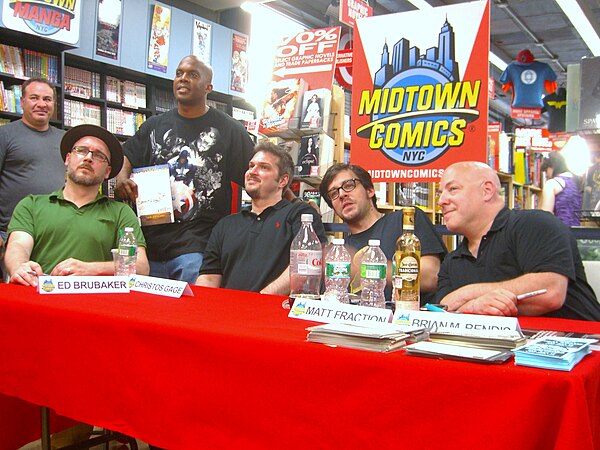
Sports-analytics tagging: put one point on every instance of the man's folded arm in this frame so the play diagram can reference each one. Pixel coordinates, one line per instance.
(555, 284)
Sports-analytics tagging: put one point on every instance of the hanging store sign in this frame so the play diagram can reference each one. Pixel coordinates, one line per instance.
(56, 20)
(419, 97)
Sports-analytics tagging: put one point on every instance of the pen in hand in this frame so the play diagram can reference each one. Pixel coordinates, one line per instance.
(531, 294)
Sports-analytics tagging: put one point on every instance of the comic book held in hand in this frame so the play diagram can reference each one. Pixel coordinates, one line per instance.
(556, 353)
(154, 203)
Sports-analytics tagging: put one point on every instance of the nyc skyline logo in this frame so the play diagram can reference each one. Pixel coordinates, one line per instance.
(48, 286)
(45, 17)
(418, 107)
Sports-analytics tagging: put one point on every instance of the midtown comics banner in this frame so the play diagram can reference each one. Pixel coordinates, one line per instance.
(58, 20)
(419, 96)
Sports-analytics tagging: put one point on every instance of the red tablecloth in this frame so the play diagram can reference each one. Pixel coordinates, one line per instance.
(228, 369)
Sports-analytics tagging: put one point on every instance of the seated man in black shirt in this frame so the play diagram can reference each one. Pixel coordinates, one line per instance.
(250, 250)
(505, 253)
(349, 190)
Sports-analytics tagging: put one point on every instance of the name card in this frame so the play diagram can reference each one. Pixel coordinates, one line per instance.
(471, 324)
(160, 286)
(82, 285)
(334, 312)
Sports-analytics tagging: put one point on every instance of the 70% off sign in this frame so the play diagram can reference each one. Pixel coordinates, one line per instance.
(311, 52)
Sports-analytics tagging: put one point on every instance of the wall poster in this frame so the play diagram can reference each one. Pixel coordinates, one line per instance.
(158, 48)
(108, 27)
(239, 63)
(201, 40)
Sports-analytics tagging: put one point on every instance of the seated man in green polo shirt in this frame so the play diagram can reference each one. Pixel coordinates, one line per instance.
(72, 230)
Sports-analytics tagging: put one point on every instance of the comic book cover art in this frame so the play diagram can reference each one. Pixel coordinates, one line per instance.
(158, 47)
(315, 108)
(201, 40)
(308, 158)
(281, 105)
(239, 63)
(109, 22)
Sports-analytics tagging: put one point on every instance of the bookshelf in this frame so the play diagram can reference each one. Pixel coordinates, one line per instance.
(18, 62)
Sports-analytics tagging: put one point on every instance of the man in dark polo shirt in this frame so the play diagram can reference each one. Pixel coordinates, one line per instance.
(505, 253)
(251, 250)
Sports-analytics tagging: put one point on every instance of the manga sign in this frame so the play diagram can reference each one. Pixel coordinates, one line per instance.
(419, 98)
(56, 20)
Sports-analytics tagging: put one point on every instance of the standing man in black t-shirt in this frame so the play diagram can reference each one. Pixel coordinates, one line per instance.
(505, 253)
(349, 190)
(217, 145)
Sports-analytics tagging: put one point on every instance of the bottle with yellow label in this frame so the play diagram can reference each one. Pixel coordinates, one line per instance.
(408, 264)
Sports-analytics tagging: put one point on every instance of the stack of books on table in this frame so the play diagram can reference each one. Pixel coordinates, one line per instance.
(458, 352)
(484, 341)
(384, 337)
(557, 353)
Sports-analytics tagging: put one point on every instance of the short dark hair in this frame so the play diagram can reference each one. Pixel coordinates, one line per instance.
(38, 80)
(285, 164)
(361, 174)
(556, 162)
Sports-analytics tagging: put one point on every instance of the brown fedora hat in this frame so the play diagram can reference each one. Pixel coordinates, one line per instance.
(80, 131)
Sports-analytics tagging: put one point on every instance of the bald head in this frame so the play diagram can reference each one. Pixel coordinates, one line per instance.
(204, 68)
(470, 197)
(474, 172)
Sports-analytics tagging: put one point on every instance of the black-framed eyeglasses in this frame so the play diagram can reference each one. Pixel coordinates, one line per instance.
(96, 155)
(347, 186)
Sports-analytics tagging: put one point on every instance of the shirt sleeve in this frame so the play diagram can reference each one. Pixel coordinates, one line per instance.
(296, 218)
(242, 151)
(431, 241)
(127, 218)
(135, 147)
(211, 262)
(444, 286)
(22, 217)
(542, 243)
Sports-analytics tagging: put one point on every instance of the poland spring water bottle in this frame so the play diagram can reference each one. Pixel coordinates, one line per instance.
(373, 267)
(127, 253)
(337, 273)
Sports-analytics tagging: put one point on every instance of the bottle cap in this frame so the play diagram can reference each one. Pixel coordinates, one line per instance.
(337, 242)
(306, 218)
(374, 242)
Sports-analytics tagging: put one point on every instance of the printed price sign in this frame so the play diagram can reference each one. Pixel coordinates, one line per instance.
(310, 55)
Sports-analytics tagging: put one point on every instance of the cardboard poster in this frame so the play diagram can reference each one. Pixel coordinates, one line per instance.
(309, 55)
(201, 40)
(108, 27)
(59, 21)
(419, 97)
(158, 48)
(239, 63)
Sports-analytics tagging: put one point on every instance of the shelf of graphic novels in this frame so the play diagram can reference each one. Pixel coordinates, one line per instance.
(308, 124)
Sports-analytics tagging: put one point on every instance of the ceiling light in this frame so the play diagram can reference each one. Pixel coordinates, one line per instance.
(582, 23)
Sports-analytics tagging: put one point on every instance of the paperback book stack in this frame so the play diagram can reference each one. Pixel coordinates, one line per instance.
(556, 353)
(379, 338)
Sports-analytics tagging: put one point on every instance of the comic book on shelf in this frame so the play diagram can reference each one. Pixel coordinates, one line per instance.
(281, 109)
(316, 106)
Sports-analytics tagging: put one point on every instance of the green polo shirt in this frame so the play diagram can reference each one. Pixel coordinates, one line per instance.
(61, 230)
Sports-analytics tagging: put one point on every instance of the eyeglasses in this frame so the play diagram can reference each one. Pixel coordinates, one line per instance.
(96, 156)
(347, 186)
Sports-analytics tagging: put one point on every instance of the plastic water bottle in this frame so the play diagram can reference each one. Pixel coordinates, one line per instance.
(127, 253)
(373, 268)
(337, 273)
(306, 254)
